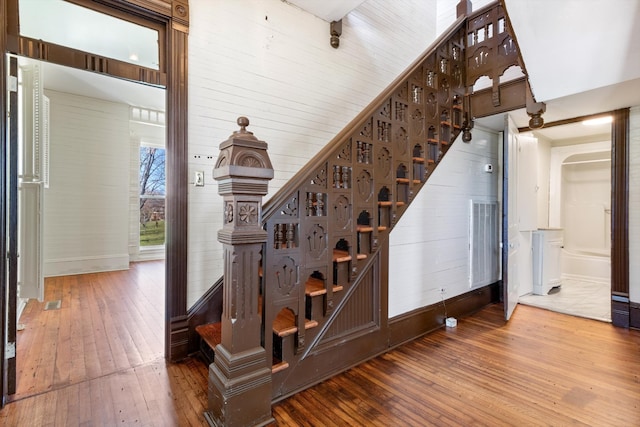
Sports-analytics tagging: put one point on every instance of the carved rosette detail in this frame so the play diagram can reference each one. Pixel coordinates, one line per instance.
(248, 213)
(250, 161)
(180, 10)
(228, 213)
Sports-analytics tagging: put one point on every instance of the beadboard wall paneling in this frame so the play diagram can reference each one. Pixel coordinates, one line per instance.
(429, 247)
(634, 204)
(87, 203)
(272, 62)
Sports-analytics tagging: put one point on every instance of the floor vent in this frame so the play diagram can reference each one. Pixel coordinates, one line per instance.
(52, 305)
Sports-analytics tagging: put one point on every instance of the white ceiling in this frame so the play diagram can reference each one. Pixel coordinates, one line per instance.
(329, 10)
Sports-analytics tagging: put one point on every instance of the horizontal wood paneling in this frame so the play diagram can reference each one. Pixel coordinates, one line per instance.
(86, 205)
(273, 63)
(429, 247)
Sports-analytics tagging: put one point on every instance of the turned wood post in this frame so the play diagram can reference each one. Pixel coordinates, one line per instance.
(240, 377)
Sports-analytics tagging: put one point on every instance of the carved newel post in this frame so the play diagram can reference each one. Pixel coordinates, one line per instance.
(240, 377)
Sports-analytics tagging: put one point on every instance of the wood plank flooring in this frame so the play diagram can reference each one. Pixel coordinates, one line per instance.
(98, 360)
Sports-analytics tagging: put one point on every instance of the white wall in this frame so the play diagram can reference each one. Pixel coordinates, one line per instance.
(586, 205)
(544, 166)
(634, 206)
(86, 204)
(273, 63)
(429, 247)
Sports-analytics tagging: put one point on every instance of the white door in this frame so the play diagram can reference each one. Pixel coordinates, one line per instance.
(32, 181)
(510, 226)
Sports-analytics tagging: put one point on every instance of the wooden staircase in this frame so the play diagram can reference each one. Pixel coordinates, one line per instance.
(322, 276)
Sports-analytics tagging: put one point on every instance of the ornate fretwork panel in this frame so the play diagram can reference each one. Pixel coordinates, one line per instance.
(490, 47)
(328, 231)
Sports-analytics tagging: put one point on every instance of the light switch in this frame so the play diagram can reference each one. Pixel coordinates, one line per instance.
(198, 179)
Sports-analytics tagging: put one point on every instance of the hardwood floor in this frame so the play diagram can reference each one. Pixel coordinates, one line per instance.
(98, 360)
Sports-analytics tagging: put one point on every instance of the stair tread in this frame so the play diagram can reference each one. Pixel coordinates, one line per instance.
(385, 203)
(211, 333)
(341, 256)
(285, 324)
(364, 229)
(402, 180)
(361, 256)
(314, 287)
(278, 365)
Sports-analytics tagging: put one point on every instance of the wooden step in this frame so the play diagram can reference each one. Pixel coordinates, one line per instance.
(385, 203)
(211, 333)
(278, 365)
(314, 287)
(402, 180)
(341, 256)
(364, 229)
(285, 324)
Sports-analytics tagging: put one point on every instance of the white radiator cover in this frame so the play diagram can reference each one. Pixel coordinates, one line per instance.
(484, 250)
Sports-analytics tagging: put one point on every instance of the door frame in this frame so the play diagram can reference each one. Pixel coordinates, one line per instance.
(171, 19)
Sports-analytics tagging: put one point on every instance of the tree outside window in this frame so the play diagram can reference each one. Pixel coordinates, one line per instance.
(152, 196)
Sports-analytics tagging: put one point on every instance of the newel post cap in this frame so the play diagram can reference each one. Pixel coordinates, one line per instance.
(243, 156)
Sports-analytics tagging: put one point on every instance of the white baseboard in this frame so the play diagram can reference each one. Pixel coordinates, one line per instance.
(69, 266)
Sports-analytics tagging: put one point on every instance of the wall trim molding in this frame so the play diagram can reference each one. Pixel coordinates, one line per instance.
(89, 264)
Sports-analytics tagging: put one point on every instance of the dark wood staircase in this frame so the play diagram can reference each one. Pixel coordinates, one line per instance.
(323, 287)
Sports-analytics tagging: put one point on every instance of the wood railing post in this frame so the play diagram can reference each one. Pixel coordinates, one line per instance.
(240, 377)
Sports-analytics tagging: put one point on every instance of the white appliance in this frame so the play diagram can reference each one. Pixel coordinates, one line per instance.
(547, 256)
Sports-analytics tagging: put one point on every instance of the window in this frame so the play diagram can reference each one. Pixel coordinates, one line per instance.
(152, 196)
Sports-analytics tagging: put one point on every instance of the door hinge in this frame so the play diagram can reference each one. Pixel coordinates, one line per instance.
(10, 350)
(12, 83)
